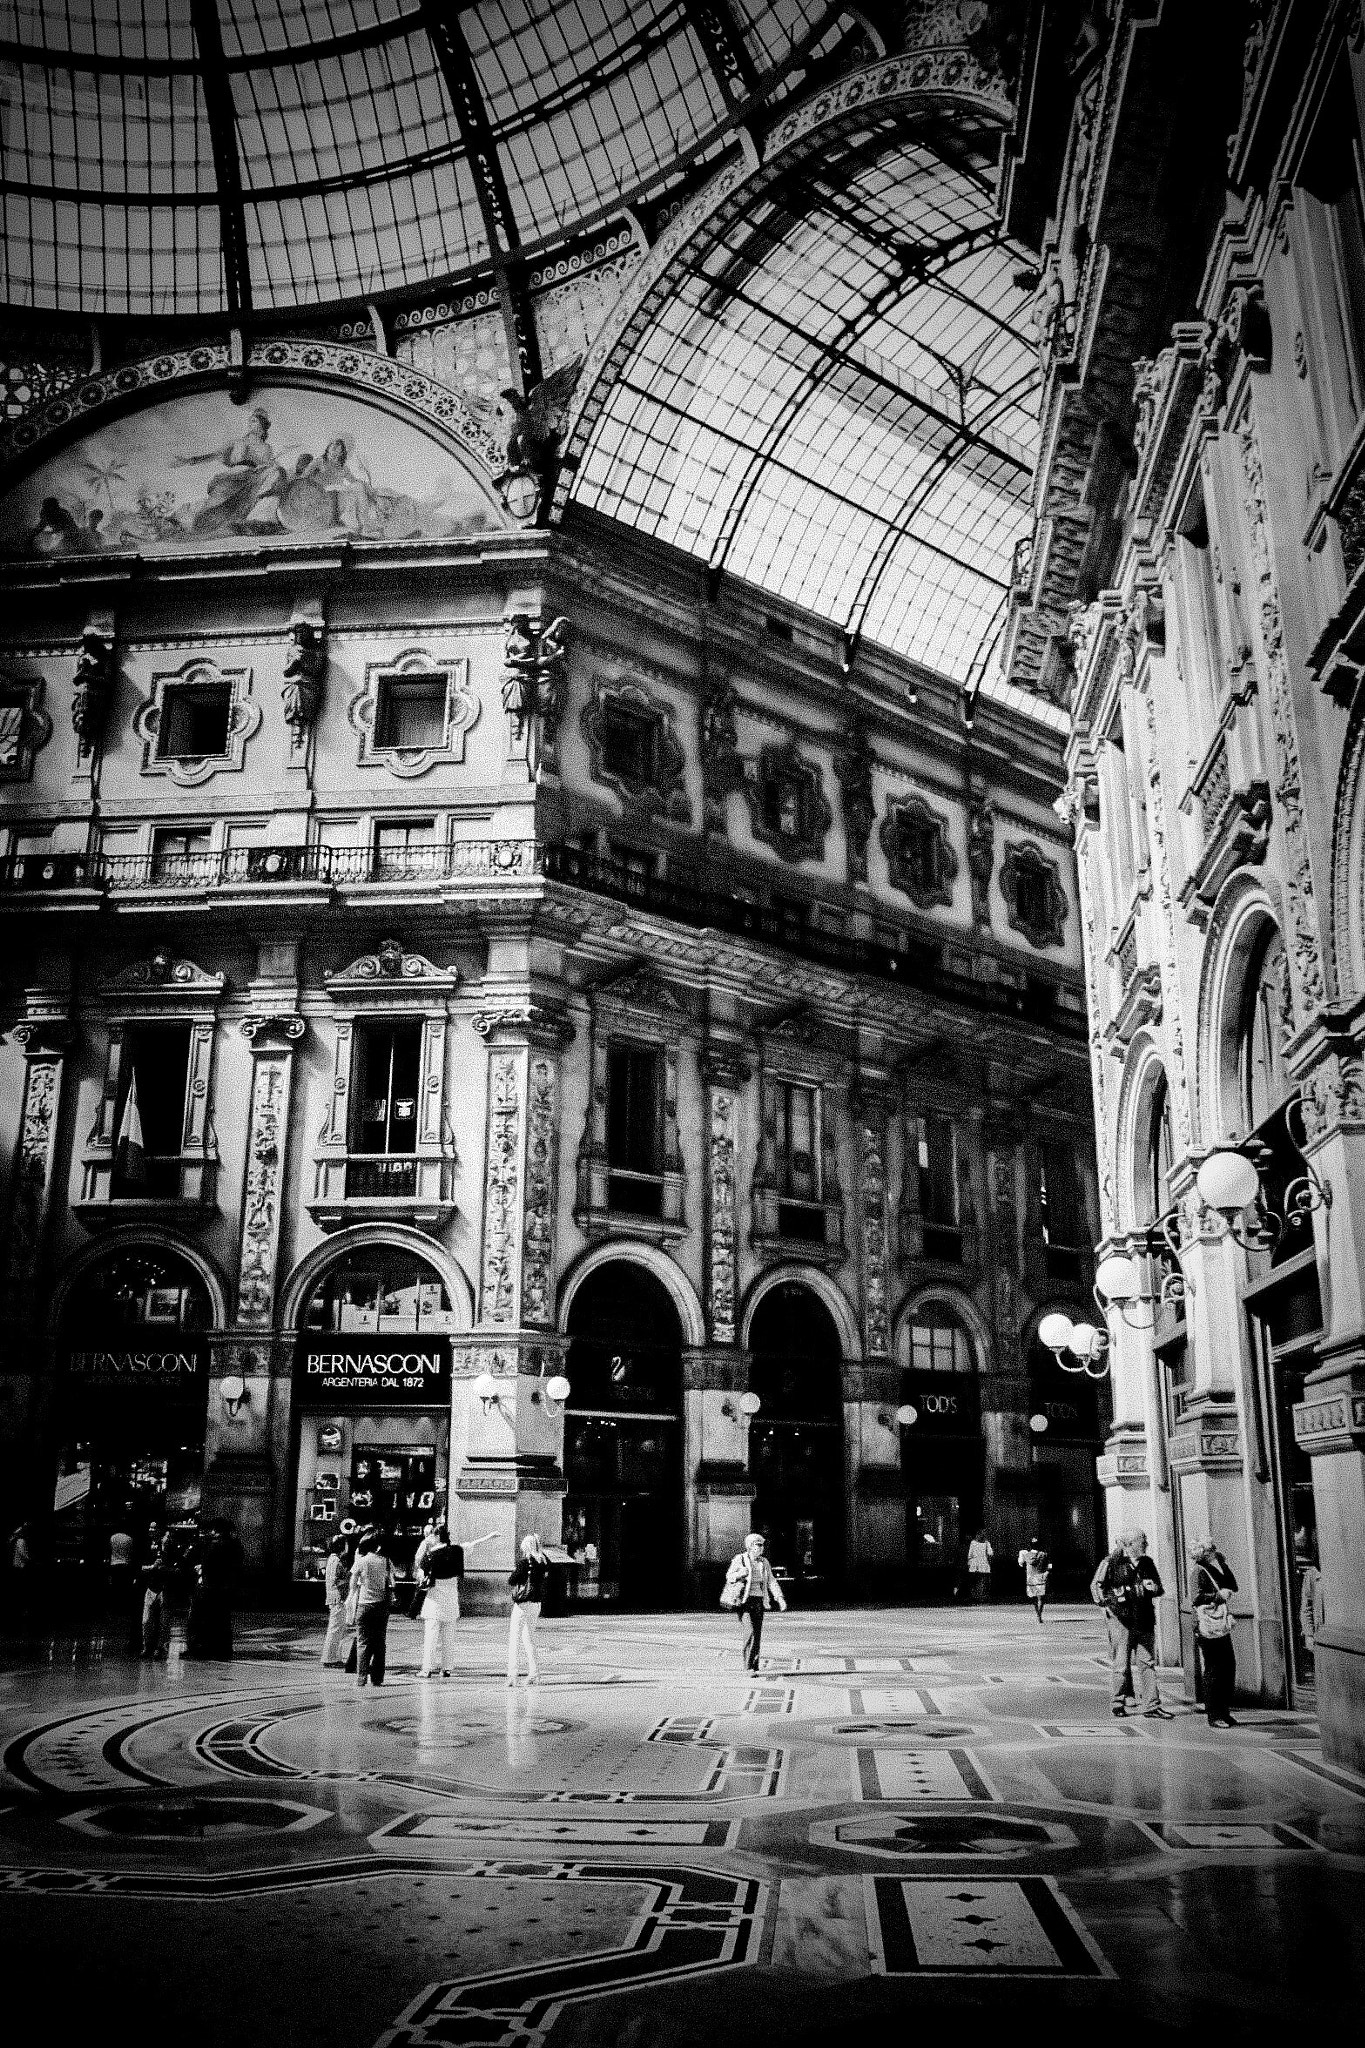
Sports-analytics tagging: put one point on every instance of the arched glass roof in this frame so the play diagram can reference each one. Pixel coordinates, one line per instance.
(162, 156)
(831, 390)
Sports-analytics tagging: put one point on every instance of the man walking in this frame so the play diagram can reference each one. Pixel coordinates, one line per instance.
(1128, 1585)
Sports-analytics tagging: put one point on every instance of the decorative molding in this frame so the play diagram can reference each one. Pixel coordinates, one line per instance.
(1303, 937)
(662, 788)
(1104, 1157)
(32, 1177)
(919, 855)
(388, 971)
(722, 1118)
(499, 1292)
(92, 684)
(244, 718)
(25, 727)
(721, 767)
(161, 974)
(1026, 858)
(853, 773)
(281, 1032)
(265, 1159)
(981, 859)
(1170, 1003)
(782, 782)
(643, 990)
(303, 676)
(461, 713)
(872, 1185)
(542, 1186)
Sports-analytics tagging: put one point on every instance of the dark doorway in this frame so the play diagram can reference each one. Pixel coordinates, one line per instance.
(623, 1512)
(796, 1442)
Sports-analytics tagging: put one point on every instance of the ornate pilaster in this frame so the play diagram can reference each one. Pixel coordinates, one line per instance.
(516, 1256)
(1170, 983)
(1081, 805)
(1304, 945)
(723, 1076)
(1002, 1145)
(273, 1039)
(45, 1041)
(870, 1108)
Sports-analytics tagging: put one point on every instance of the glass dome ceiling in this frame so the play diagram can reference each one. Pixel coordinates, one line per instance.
(162, 156)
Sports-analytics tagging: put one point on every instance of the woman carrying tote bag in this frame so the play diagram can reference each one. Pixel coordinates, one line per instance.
(750, 1589)
(1212, 1583)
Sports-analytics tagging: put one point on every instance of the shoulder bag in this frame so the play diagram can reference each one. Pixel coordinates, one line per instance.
(734, 1593)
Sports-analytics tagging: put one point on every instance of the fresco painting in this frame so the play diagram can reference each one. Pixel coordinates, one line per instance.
(200, 471)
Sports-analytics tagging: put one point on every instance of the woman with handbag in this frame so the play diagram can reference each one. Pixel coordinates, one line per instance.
(1211, 1584)
(750, 1589)
(336, 1582)
(528, 1584)
(372, 1595)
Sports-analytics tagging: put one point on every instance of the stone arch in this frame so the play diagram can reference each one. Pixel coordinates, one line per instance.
(959, 1304)
(820, 1285)
(140, 1236)
(402, 1237)
(1143, 1069)
(1244, 907)
(1346, 938)
(681, 1292)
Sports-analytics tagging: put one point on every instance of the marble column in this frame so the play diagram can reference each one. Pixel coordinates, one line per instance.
(716, 1477)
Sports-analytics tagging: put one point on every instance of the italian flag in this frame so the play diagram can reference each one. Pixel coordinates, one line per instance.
(129, 1150)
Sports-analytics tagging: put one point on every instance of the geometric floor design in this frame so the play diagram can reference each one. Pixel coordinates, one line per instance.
(908, 1816)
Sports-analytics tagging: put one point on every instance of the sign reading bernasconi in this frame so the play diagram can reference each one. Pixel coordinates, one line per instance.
(402, 1371)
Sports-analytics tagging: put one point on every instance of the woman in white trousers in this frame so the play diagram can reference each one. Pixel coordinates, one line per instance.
(441, 1562)
(528, 1595)
(338, 1579)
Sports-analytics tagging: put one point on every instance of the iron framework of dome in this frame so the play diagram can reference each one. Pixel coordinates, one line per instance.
(816, 372)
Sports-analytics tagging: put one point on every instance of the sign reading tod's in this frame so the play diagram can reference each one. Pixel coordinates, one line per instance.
(411, 1371)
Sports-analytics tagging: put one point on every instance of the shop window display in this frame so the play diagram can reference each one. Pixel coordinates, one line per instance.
(374, 1353)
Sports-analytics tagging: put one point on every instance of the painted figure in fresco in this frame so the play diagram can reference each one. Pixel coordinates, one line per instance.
(251, 472)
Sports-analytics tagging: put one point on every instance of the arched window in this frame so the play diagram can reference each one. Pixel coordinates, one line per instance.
(1264, 1083)
(141, 1289)
(382, 1288)
(1159, 1153)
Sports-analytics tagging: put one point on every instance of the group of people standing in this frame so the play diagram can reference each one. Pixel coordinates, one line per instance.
(360, 1597)
(178, 1568)
(1128, 1585)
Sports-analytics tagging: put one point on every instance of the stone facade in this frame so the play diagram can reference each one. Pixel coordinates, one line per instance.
(417, 833)
(1194, 595)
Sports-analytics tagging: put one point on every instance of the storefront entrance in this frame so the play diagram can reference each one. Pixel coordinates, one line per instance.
(132, 1379)
(796, 1442)
(623, 1512)
(942, 1455)
(372, 1406)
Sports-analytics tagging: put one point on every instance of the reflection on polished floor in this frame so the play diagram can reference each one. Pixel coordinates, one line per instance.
(907, 1815)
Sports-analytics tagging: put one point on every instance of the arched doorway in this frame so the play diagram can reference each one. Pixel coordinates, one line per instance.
(623, 1510)
(942, 1458)
(796, 1441)
(372, 1371)
(132, 1363)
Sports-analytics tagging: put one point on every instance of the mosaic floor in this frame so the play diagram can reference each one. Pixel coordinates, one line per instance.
(906, 1816)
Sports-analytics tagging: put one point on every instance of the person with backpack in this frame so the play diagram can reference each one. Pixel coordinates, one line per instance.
(1037, 1568)
(528, 1583)
(1128, 1585)
(1211, 1582)
(750, 1589)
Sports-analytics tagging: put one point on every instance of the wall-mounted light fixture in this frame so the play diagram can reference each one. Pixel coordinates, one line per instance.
(553, 1395)
(485, 1389)
(907, 1415)
(1077, 1347)
(232, 1392)
(747, 1407)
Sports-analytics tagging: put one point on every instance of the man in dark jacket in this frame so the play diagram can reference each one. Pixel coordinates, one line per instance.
(1127, 1586)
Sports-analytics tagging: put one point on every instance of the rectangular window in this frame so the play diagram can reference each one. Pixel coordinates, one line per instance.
(939, 1347)
(149, 1117)
(629, 741)
(797, 1162)
(1334, 211)
(1063, 1216)
(388, 1064)
(936, 1154)
(195, 721)
(410, 711)
(406, 847)
(635, 1101)
(181, 856)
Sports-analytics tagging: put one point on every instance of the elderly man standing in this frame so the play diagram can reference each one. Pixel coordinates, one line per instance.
(1128, 1585)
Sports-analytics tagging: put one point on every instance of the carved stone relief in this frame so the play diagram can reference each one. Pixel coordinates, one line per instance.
(92, 686)
(720, 1250)
(502, 1191)
(32, 1176)
(460, 713)
(981, 859)
(537, 1271)
(264, 1174)
(535, 683)
(1094, 1011)
(872, 1166)
(1304, 947)
(1170, 998)
(853, 771)
(305, 667)
(722, 769)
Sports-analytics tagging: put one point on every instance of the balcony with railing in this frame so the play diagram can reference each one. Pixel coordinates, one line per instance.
(24, 875)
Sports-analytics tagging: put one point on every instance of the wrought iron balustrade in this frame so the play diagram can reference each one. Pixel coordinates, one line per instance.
(252, 866)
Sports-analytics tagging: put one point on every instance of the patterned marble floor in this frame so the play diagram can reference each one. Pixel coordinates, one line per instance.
(907, 1816)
